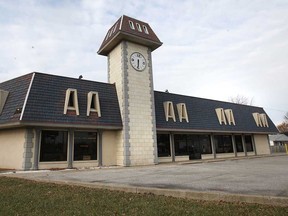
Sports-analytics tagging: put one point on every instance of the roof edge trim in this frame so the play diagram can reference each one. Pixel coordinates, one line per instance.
(27, 95)
(211, 131)
(120, 27)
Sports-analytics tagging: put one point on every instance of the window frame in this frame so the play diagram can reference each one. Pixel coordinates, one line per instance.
(95, 157)
(41, 159)
(166, 146)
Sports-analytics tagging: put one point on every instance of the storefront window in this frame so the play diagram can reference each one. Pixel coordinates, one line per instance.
(85, 146)
(204, 141)
(180, 142)
(53, 146)
(188, 144)
(223, 143)
(248, 143)
(163, 145)
(239, 144)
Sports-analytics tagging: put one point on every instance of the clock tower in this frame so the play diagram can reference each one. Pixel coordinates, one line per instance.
(128, 45)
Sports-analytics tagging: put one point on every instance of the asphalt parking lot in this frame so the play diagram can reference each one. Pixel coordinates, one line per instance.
(261, 177)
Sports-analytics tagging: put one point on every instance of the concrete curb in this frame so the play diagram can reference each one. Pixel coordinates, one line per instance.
(178, 193)
(230, 159)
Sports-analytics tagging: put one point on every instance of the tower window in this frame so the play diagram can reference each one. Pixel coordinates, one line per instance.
(114, 29)
(169, 111)
(139, 27)
(145, 29)
(111, 31)
(131, 25)
(71, 101)
(93, 104)
(107, 36)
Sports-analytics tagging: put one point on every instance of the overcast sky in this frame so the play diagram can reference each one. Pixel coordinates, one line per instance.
(211, 49)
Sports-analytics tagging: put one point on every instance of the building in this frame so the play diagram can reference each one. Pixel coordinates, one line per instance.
(278, 143)
(49, 121)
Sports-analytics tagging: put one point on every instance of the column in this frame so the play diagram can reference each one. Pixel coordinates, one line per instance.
(172, 146)
(234, 145)
(100, 160)
(244, 145)
(36, 149)
(213, 145)
(253, 144)
(70, 148)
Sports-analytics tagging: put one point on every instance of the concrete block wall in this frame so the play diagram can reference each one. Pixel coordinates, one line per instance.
(28, 155)
(141, 109)
(116, 76)
(137, 142)
(262, 144)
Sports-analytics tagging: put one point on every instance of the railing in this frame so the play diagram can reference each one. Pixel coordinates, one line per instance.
(279, 149)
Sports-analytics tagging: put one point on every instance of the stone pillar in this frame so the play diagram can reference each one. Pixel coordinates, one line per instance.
(37, 149)
(28, 147)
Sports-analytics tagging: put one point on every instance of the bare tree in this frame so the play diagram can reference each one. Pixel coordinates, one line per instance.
(286, 117)
(240, 99)
(283, 127)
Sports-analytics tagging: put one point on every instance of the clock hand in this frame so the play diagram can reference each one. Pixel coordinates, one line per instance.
(138, 63)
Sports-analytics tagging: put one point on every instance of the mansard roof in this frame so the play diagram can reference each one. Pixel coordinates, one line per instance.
(39, 99)
(129, 29)
(202, 116)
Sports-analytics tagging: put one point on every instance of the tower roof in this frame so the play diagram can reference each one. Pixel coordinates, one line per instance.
(130, 29)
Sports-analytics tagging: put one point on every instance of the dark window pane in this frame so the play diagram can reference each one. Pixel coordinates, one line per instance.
(180, 142)
(239, 144)
(53, 146)
(248, 143)
(204, 141)
(85, 146)
(163, 145)
(223, 143)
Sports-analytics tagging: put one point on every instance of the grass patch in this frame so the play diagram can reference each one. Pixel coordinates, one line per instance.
(25, 197)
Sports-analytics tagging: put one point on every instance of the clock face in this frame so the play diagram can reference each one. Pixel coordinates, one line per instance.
(138, 61)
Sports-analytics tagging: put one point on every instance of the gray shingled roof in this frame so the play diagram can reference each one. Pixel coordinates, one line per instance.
(17, 89)
(46, 100)
(279, 138)
(202, 115)
(45, 105)
(121, 30)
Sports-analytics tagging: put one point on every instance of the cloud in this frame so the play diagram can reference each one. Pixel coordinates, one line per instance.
(212, 49)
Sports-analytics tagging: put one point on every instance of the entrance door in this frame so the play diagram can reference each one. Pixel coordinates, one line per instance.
(195, 149)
